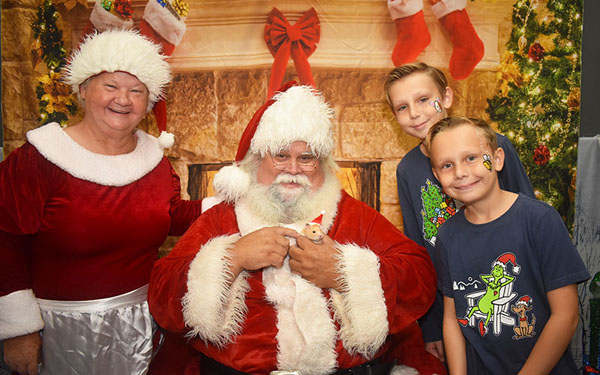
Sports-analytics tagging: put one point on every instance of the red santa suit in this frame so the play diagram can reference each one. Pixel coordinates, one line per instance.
(79, 226)
(274, 320)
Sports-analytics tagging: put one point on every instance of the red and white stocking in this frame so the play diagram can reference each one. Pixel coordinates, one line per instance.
(412, 33)
(161, 26)
(467, 47)
(102, 19)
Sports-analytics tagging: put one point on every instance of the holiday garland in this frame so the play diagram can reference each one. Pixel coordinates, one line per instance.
(537, 102)
(56, 102)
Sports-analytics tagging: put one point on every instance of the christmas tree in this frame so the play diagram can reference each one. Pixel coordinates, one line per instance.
(56, 102)
(537, 102)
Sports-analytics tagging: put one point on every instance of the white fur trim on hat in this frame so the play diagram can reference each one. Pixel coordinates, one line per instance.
(104, 20)
(164, 22)
(404, 8)
(360, 308)
(213, 308)
(446, 7)
(19, 314)
(120, 50)
(298, 114)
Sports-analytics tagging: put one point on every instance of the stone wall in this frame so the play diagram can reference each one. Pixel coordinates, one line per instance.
(208, 109)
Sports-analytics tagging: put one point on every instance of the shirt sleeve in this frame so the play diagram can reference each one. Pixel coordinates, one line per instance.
(410, 217)
(513, 176)
(183, 212)
(25, 178)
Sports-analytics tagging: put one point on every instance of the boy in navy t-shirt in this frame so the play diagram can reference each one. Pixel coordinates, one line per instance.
(506, 264)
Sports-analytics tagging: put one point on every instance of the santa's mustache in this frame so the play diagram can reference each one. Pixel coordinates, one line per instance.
(287, 178)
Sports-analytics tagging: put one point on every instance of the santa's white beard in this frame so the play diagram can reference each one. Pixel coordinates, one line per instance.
(279, 204)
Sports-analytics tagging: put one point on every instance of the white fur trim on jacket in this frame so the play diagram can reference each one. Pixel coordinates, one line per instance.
(360, 309)
(213, 309)
(164, 23)
(298, 114)
(19, 314)
(306, 333)
(447, 6)
(104, 20)
(404, 8)
(109, 170)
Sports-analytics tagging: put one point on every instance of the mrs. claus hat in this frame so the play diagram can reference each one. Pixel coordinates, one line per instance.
(125, 51)
(294, 113)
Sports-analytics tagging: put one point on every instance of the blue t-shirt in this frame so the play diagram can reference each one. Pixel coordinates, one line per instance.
(499, 274)
(425, 207)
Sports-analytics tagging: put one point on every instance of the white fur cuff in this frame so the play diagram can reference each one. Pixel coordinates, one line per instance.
(164, 23)
(214, 307)
(19, 314)
(360, 308)
(401, 9)
(447, 6)
(104, 20)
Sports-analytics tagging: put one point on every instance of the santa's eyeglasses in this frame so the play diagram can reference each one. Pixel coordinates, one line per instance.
(306, 162)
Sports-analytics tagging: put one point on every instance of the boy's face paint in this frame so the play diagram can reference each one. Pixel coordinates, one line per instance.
(436, 104)
(487, 162)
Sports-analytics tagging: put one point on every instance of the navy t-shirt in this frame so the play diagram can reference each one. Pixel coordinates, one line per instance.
(499, 274)
(425, 207)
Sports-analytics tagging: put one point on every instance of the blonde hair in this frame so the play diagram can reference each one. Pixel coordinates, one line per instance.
(451, 122)
(438, 77)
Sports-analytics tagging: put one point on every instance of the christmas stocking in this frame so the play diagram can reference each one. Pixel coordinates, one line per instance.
(411, 29)
(164, 23)
(467, 47)
(108, 14)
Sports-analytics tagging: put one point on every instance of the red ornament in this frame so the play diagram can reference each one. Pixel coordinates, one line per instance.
(124, 8)
(536, 52)
(541, 155)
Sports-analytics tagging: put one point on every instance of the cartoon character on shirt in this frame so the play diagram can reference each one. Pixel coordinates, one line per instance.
(495, 281)
(437, 208)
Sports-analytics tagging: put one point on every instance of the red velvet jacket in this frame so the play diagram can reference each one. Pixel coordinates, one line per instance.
(271, 319)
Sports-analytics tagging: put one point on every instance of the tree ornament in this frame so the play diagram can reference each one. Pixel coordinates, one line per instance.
(536, 52)
(574, 99)
(522, 43)
(541, 155)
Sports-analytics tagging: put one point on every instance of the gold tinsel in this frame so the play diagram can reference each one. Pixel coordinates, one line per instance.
(547, 42)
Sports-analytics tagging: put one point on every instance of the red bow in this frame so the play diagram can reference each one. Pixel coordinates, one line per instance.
(300, 40)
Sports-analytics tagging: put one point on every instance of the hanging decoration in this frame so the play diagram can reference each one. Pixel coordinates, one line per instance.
(56, 102)
(537, 101)
(298, 40)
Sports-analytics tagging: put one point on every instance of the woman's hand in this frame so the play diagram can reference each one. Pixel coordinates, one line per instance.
(22, 353)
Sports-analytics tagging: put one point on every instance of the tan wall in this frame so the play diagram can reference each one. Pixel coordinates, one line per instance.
(208, 108)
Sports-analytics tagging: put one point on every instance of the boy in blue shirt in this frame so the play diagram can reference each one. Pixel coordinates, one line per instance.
(419, 96)
(506, 264)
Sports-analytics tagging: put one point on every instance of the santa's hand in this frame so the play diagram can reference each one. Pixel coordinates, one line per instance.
(22, 353)
(262, 248)
(316, 263)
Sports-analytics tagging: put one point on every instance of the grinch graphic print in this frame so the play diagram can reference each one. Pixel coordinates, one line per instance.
(497, 306)
(437, 208)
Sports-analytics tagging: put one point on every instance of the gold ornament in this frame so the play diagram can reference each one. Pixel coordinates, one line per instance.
(522, 43)
(574, 99)
(547, 41)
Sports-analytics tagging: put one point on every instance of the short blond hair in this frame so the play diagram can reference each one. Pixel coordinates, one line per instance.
(454, 121)
(438, 77)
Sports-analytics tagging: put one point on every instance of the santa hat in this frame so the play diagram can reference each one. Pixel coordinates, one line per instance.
(508, 258)
(126, 51)
(525, 300)
(294, 113)
(319, 219)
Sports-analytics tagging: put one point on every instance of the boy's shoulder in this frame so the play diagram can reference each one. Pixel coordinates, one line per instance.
(414, 158)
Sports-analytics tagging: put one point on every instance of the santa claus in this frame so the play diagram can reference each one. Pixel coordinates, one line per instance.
(254, 295)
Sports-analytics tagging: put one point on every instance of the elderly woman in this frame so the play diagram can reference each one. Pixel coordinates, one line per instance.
(83, 211)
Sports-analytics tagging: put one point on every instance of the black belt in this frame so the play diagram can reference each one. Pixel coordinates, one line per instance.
(375, 367)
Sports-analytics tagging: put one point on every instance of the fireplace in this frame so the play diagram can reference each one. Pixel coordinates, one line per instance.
(360, 179)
